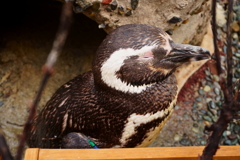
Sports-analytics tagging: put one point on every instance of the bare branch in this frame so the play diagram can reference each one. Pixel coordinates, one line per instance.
(215, 136)
(229, 51)
(214, 31)
(216, 50)
(228, 112)
(61, 36)
(47, 70)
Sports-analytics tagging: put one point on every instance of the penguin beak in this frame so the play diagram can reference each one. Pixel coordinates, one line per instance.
(186, 53)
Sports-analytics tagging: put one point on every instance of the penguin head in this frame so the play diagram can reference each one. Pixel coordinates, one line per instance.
(135, 56)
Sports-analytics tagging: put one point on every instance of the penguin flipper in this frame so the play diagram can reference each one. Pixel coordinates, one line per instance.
(75, 140)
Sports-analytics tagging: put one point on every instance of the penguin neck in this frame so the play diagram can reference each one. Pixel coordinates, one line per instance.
(158, 97)
(151, 99)
(116, 84)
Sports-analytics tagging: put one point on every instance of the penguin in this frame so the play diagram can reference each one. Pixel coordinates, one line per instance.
(126, 98)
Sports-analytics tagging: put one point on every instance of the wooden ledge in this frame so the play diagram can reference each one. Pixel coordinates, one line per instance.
(158, 153)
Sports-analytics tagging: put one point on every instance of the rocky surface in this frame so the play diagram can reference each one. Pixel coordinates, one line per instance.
(174, 16)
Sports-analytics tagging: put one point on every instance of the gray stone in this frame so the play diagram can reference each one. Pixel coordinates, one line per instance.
(235, 141)
(194, 117)
(186, 116)
(185, 142)
(199, 105)
(214, 119)
(120, 10)
(227, 142)
(177, 107)
(200, 91)
(195, 125)
(101, 26)
(238, 70)
(218, 98)
(225, 49)
(217, 91)
(237, 55)
(210, 114)
(213, 111)
(236, 129)
(199, 99)
(113, 5)
(128, 13)
(207, 72)
(194, 105)
(208, 100)
(203, 142)
(108, 9)
(134, 4)
(195, 129)
(194, 110)
(215, 78)
(203, 82)
(208, 78)
(211, 105)
(177, 137)
(203, 111)
(235, 36)
(207, 118)
(206, 88)
(199, 116)
(175, 19)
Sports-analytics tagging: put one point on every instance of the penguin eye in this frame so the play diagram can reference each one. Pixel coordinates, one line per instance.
(147, 55)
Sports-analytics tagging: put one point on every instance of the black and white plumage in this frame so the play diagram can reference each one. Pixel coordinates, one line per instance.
(126, 98)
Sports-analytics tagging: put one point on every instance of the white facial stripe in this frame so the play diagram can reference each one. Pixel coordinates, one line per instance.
(167, 45)
(114, 63)
(168, 37)
(136, 120)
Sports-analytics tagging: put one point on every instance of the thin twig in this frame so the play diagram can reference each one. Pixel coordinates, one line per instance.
(229, 51)
(214, 31)
(217, 130)
(228, 111)
(62, 33)
(216, 51)
(48, 70)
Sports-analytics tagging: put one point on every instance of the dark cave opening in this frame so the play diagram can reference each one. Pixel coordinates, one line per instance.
(41, 19)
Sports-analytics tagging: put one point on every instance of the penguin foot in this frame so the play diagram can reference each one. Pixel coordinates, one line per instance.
(76, 140)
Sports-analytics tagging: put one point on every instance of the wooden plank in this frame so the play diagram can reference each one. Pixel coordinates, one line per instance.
(160, 153)
(32, 154)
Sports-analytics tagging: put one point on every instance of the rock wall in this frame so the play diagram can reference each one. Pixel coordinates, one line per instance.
(185, 20)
